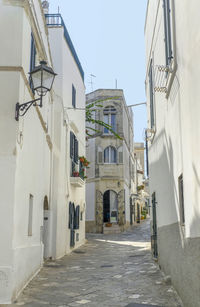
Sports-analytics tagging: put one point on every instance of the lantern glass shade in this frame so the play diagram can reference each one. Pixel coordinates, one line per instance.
(42, 78)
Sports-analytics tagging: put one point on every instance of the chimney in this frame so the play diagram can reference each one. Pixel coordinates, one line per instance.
(45, 5)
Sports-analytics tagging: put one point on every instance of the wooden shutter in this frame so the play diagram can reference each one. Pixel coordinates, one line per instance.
(100, 157)
(73, 96)
(151, 89)
(77, 217)
(75, 150)
(71, 144)
(121, 157)
(32, 59)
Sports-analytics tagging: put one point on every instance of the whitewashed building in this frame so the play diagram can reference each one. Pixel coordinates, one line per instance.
(172, 86)
(39, 195)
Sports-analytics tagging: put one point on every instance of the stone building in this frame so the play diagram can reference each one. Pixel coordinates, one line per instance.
(42, 206)
(111, 173)
(172, 86)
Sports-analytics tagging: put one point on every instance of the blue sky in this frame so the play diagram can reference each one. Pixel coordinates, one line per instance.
(108, 36)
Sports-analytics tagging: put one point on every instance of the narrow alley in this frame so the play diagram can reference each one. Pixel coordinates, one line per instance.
(112, 270)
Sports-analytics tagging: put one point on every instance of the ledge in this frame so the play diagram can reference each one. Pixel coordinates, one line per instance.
(77, 181)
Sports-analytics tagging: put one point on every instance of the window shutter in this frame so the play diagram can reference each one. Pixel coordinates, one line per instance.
(75, 150)
(32, 59)
(151, 89)
(73, 96)
(100, 158)
(70, 216)
(77, 217)
(71, 144)
(120, 157)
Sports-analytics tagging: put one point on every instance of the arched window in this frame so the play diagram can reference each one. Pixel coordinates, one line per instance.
(110, 155)
(109, 114)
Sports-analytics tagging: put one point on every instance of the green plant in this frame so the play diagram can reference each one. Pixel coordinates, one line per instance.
(91, 108)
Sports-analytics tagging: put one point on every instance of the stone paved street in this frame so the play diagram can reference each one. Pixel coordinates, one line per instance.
(113, 270)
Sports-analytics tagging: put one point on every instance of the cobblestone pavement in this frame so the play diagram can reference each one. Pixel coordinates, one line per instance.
(109, 270)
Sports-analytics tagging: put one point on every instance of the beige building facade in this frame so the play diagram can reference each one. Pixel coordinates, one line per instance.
(111, 173)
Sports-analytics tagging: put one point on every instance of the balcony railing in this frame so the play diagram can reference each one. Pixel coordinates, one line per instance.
(56, 20)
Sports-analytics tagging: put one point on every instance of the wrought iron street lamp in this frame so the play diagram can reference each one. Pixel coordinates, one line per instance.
(41, 78)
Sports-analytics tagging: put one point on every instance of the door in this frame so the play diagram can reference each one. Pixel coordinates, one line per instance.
(113, 207)
(110, 207)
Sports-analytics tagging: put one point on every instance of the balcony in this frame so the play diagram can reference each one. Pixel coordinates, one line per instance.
(77, 182)
(77, 177)
(56, 20)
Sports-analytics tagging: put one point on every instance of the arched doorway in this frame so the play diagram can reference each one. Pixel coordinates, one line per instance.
(110, 207)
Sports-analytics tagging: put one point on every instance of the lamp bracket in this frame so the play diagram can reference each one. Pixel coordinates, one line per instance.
(21, 109)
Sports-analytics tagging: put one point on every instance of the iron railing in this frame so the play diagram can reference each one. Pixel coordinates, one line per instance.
(56, 20)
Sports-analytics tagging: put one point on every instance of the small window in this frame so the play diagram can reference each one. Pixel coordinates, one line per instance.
(110, 119)
(181, 199)
(30, 216)
(151, 94)
(73, 96)
(110, 155)
(167, 28)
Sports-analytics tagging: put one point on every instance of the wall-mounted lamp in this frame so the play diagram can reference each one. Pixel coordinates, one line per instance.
(41, 78)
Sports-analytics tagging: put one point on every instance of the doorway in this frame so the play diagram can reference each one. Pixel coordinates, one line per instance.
(110, 207)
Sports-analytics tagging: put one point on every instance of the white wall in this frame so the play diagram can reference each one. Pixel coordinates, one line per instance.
(67, 120)
(175, 148)
(90, 201)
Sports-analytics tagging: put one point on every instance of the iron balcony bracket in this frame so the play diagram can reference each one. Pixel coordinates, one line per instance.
(21, 109)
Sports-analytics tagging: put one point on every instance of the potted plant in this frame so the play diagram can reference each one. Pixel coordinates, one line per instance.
(76, 174)
(83, 160)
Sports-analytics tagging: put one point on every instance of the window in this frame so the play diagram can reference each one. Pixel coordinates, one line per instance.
(73, 96)
(32, 58)
(110, 118)
(151, 94)
(181, 199)
(30, 216)
(167, 28)
(110, 155)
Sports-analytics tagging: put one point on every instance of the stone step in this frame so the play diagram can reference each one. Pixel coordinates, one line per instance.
(110, 230)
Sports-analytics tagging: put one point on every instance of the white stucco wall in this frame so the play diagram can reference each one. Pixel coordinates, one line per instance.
(70, 120)
(24, 154)
(175, 147)
(29, 165)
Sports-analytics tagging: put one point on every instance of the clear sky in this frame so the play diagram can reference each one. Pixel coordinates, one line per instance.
(108, 36)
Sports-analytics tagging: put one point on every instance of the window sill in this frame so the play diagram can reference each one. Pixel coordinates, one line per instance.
(77, 182)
